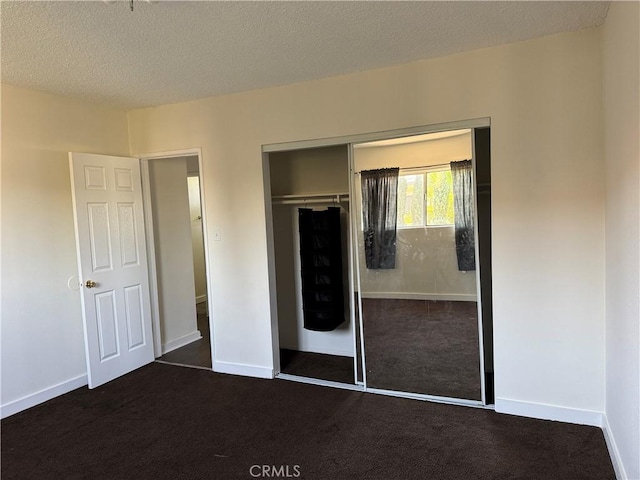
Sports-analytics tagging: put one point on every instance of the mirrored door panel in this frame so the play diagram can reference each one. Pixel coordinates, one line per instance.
(418, 291)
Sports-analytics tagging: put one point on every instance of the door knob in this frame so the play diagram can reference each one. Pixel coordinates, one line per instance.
(90, 284)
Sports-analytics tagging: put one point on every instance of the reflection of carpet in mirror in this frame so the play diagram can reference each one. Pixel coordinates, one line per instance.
(317, 365)
(422, 346)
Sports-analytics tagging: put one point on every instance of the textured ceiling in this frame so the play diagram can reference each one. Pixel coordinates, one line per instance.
(173, 51)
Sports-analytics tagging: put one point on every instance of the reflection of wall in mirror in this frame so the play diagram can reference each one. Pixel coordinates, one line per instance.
(426, 264)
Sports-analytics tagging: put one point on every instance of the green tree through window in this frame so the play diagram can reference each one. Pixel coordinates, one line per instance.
(439, 198)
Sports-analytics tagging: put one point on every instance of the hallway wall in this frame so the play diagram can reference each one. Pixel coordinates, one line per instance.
(174, 252)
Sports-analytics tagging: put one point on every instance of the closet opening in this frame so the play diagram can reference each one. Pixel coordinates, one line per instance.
(414, 209)
(310, 204)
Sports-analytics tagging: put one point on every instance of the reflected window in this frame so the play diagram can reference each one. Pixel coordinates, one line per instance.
(411, 200)
(425, 199)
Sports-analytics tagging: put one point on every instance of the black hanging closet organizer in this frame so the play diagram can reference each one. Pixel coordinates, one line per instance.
(321, 261)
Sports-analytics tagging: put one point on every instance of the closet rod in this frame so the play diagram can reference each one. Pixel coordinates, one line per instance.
(305, 202)
(310, 198)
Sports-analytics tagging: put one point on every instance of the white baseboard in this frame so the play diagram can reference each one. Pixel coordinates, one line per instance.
(42, 396)
(201, 299)
(614, 453)
(242, 369)
(450, 297)
(549, 412)
(181, 341)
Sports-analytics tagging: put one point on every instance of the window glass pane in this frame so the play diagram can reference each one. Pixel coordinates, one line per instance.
(439, 198)
(411, 200)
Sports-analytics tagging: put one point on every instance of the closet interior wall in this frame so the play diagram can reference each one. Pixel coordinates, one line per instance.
(306, 174)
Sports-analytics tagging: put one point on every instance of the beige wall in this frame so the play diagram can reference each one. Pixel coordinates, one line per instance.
(42, 338)
(621, 52)
(315, 170)
(174, 251)
(544, 100)
(426, 262)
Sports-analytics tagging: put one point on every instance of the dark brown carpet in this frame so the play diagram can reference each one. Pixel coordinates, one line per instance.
(422, 346)
(317, 365)
(166, 422)
(198, 353)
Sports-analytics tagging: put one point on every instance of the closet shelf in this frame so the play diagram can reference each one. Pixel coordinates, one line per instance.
(310, 198)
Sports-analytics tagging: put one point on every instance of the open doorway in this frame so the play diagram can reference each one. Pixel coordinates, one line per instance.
(175, 222)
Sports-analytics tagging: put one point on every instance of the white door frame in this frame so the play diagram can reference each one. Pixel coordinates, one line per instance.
(151, 251)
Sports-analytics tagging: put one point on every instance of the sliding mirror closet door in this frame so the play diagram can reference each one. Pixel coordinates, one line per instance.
(418, 290)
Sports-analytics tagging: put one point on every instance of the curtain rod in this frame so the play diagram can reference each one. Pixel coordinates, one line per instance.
(310, 195)
(424, 167)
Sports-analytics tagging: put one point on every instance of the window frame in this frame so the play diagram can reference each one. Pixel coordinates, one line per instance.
(412, 171)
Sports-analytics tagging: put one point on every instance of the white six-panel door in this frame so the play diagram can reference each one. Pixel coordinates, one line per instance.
(112, 262)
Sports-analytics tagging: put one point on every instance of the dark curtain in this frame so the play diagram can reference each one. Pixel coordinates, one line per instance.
(379, 212)
(462, 176)
(321, 261)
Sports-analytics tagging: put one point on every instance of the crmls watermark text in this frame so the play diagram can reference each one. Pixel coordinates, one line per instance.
(275, 471)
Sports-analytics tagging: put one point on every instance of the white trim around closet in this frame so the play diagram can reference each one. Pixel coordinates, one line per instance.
(350, 141)
(373, 136)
